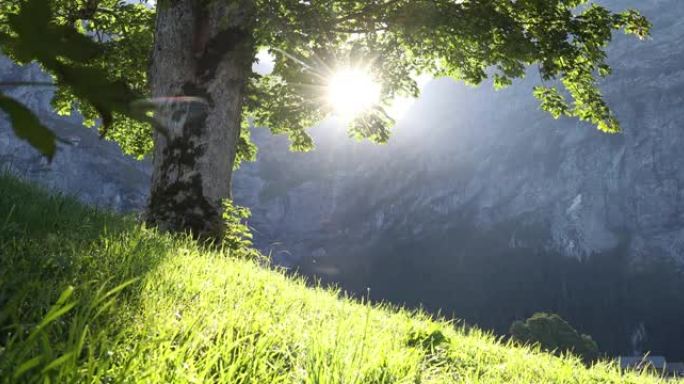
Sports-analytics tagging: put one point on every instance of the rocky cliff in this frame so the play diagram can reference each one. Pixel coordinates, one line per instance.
(481, 158)
(85, 166)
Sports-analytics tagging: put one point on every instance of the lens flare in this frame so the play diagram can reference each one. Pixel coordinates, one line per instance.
(351, 92)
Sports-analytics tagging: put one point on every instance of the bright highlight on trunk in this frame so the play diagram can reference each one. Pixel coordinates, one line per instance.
(351, 92)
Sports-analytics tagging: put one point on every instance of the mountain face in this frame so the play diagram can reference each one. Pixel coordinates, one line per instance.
(94, 170)
(483, 206)
(475, 186)
(484, 158)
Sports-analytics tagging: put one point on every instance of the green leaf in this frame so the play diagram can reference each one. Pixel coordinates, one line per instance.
(91, 84)
(54, 314)
(65, 295)
(27, 126)
(114, 291)
(74, 45)
(58, 361)
(552, 101)
(56, 311)
(26, 366)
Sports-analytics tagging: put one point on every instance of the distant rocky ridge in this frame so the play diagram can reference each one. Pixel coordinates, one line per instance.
(85, 166)
(480, 158)
(461, 156)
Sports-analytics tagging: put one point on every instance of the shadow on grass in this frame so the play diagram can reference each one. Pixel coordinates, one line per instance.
(70, 279)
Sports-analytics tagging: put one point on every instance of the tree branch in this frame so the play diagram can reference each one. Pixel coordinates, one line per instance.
(364, 12)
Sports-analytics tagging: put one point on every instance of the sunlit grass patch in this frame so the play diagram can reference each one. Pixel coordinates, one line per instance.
(87, 296)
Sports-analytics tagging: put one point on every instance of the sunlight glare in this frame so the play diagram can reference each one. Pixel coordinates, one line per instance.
(264, 64)
(351, 92)
(402, 104)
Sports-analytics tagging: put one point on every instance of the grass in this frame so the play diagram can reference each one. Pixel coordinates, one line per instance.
(91, 297)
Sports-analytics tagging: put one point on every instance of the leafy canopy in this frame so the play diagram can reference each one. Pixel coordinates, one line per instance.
(468, 40)
(96, 52)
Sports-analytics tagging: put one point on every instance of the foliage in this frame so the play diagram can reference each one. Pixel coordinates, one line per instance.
(95, 55)
(27, 126)
(465, 40)
(477, 276)
(428, 339)
(237, 234)
(554, 334)
(397, 39)
(87, 296)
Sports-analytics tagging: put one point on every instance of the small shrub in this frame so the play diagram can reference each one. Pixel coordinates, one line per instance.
(427, 338)
(237, 234)
(237, 237)
(553, 334)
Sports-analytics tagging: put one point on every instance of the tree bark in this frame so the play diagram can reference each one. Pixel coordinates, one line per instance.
(203, 49)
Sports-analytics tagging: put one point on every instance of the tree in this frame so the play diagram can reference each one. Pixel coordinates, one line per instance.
(202, 51)
(553, 334)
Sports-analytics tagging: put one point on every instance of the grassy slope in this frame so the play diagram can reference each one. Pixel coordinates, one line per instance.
(198, 316)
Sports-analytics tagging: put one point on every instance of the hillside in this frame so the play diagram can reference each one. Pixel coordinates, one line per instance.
(480, 204)
(89, 296)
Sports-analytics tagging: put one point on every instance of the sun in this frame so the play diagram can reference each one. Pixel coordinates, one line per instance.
(351, 92)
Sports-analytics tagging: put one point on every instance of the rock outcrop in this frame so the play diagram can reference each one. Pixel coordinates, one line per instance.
(85, 166)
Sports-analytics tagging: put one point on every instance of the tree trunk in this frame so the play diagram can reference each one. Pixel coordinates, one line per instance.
(203, 49)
